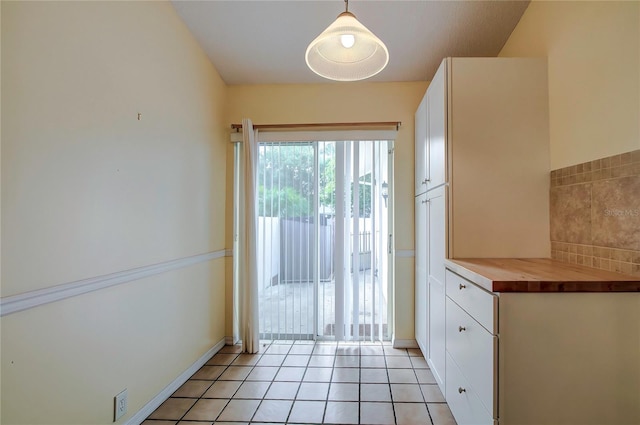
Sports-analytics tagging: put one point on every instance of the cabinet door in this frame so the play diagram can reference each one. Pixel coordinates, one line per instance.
(421, 147)
(436, 128)
(436, 245)
(421, 274)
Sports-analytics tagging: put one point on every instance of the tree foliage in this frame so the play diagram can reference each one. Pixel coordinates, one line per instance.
(286, 180)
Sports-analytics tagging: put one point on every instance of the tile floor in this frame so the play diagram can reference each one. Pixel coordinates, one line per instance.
(306, 382)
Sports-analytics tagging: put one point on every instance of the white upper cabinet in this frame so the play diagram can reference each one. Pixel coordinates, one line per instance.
(421, 147)
(436, 129)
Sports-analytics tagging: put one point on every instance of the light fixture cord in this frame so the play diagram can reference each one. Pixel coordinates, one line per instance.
(347, 5)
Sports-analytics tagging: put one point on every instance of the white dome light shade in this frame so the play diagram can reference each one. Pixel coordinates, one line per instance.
(347, 51)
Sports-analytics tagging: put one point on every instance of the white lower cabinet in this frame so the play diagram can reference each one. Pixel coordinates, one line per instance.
(422, 275)
(540, 358)
(436, 289)
(462, 399)
(472, 352)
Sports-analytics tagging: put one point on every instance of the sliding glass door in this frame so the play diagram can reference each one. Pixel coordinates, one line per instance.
(323, 240)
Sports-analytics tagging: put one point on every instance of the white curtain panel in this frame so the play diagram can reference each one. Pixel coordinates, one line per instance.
(249, 331)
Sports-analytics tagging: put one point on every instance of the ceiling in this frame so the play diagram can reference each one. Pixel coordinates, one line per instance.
(264, 41)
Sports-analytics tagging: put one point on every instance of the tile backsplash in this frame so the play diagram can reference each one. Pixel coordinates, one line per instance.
(595, 213)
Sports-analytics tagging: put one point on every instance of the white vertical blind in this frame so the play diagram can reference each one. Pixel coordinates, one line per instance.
(322, 240)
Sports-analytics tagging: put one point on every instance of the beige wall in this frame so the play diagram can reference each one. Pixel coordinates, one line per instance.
(593, 51)
(88, 189)
(349, 103)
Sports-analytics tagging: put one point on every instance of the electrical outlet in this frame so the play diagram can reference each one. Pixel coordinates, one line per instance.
(120, 405)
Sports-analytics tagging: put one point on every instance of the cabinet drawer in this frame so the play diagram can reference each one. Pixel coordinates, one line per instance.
(474, 350)
(464, 403)
(480, 304)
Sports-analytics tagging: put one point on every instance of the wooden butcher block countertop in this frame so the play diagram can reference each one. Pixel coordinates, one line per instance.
(540, 275)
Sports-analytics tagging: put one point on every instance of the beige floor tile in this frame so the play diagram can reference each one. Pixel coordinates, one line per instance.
(246, 359)
(173, 408)
(344, 392)
(216, 423)
(375, 392)
(239, 410)
(323, 349)
(390, 351)
(346, 374)
(373, 376)
(221, 359)
(209, 372)
(425, 376)
(321, 361)
(307, 412)
(279, 349)
(415, 352)
(296, 360)
(282, 391)
(273, 410)
(192, 389)
(419, 363)
(252, 389)
(222, 389)
(373, 361)
(271, 360)
(236, 388)
(338, 412)
(406, 393)
(348, 350)
(262, 374)
(205, 410)
(412, 414)
(376, 414)
(347, 361)
(432, 393)
(399, 362)
(235, 373)
(371, 350)
(441, 414)
(402, 376)
(313, 391)
(231, 349)
(318, 374)
(301, 349)
(290, 374)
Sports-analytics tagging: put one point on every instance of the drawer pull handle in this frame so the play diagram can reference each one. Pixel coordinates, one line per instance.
(425, 181)
(461, 390)
(461, 328)
(462, 286)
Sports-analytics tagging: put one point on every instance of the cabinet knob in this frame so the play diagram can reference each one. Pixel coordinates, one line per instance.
(461, 390)
(462, 286)
(461, 328)
(425, 181)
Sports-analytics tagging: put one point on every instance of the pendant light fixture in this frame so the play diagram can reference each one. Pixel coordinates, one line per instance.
(347, 50)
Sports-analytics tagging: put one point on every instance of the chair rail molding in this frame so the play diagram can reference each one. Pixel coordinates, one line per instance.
(31, 299)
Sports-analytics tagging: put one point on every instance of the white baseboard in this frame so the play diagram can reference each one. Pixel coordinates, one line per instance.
(150, 407)
(404, 343)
